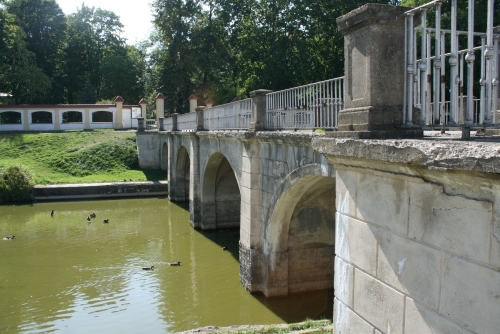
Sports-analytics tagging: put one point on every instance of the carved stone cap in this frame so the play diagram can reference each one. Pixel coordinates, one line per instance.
(160, 97)
(143, 101)
(260, 92)
(119, 99)
(370, 13)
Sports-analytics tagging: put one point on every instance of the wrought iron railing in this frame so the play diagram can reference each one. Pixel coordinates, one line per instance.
(151, 124)
(306, 107)
(231, 116)
(186, 122)
(426, 86)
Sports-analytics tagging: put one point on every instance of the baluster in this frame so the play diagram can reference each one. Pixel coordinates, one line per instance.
(423, 69)
(437, 64)
(453, 64)
(482, 82)
(494, 81)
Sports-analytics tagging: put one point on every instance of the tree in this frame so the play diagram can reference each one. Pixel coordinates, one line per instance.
(19, 74)
(87, 95)
(44, 25)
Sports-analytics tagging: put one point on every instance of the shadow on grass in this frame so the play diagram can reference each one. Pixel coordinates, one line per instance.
(155, 174)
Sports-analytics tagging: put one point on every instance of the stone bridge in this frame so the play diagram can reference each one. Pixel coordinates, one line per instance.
(407, 231)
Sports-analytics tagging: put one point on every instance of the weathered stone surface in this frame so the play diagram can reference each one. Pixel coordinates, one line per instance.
(344, 282)
(442, 155)
(348, 322)
(446, 221)
(379, 304)
(470, 294)
(402, 264)
(389, 207)
(420, 319)
(356, 243)
(346, 192)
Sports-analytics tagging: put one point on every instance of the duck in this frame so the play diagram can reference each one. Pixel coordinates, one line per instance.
(105, 220)
(9, 237)
(224, 248)
(52, 213)
(92, 215)
(148, 268)
(88, 218)
(178, 263)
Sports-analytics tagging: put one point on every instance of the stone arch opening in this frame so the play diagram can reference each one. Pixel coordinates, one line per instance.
(221, 197)
(164, 156)
(300, 235)
(182, 175)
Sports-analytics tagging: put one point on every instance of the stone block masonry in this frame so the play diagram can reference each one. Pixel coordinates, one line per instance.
(416, 250)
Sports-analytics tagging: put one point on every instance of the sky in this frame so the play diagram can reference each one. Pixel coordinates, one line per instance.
(135, 15)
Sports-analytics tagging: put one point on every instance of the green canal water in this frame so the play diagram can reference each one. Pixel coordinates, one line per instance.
(64, 274)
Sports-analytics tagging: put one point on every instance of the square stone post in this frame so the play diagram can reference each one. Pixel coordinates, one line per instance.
(374, 73)
(160, 124)
(160, 106)
(174, 123)
(200, 126)
(258, 109)
(119, 112)
(141, 124)
(143, 103)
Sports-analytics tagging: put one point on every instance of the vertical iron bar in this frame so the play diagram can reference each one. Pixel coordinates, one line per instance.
(423, 69)
(453, 64)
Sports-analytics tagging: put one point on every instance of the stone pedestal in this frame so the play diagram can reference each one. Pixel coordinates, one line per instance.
(374, 73)
(258, 109)
(141, 124)
(199, 119)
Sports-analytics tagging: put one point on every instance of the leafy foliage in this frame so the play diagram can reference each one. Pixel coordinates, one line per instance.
(16, 184)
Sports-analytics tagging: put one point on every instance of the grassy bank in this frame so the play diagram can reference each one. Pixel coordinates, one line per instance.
(76, 156)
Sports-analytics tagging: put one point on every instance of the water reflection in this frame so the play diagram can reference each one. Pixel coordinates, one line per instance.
(62, 273)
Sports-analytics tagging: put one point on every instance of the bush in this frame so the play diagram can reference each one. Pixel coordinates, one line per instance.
(16, 185)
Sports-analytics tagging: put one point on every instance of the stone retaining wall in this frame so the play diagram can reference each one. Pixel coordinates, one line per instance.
(99, 190)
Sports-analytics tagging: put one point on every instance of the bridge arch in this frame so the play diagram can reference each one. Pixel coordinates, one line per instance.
(182, 174)
(221, 196)
(300, 233)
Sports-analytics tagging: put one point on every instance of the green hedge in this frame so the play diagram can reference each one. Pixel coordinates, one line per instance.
(16, 185)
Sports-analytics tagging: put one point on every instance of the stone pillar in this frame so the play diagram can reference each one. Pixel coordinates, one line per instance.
(209, 103)
(160, 107)
(86, 112)
(174, 122)
(141, 124)
(26, 120)
(57, 119)
(118, 112)
(200, 126)
(374, 73)
(160, 124)
(143, 103)
(250, 248)
(258, 109)
(193, 103)
(194, 183)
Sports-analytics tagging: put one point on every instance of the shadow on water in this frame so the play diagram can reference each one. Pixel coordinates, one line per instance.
(300, 306)
(227, 238)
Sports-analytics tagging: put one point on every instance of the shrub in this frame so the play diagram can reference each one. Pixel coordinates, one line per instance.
(16, 185)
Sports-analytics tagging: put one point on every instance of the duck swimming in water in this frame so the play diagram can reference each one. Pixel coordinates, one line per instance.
(52, 213)
(88, 219)
(92, 215)
(178, 263)
(105, 220)
(148, 268)
(9, 237)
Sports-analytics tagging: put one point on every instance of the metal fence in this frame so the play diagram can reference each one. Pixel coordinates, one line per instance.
(306, 107)
(186, 122)
(441, 81)
(151, 124)
(230, 116)
(167, 123)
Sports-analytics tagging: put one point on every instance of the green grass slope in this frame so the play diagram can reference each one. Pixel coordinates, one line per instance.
(76, 156)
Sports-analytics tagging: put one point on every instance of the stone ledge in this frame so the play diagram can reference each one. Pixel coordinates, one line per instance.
(99, 190)
(433, 154)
